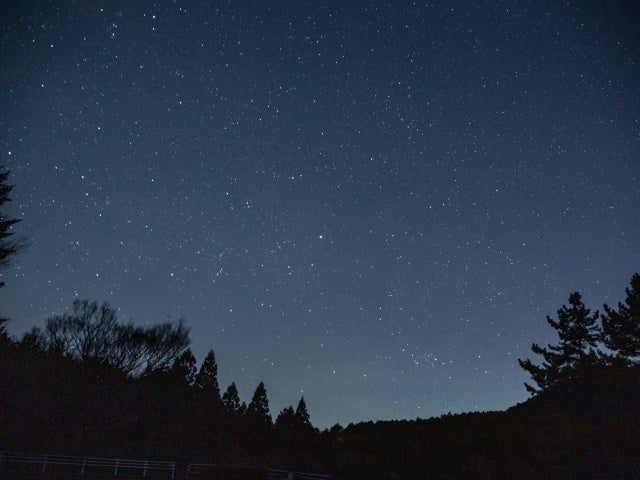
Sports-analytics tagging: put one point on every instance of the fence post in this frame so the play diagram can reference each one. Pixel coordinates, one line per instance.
(115, 471)
(44, 463)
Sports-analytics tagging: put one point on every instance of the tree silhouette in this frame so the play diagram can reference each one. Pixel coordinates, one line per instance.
(231, 401)
(301, 415)
(9, 246)
(258, 408)
(184, 368)
(206, 380)
(621, 328)
(286, 417)
(93, 332)
(578, 334)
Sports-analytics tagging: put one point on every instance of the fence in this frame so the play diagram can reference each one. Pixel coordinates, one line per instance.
(89, 466)
(43, 465)
(238, 472)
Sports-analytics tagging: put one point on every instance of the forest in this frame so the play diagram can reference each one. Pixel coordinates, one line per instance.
(87, 384)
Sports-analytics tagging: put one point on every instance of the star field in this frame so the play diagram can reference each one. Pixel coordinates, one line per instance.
(371, 204)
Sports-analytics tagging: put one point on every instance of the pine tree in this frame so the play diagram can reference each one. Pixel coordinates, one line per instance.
(8, 246)
(621, 328)
(231, 401)
(206, 380)
(578, 334)
(258, 408)
(184, 367)
(286, 418)
(302, 416)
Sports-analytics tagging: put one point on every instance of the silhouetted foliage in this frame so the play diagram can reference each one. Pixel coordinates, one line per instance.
(297, 442)
(302, 415)
(258, 408)
(583, 424)
(9, 246)
(286, 417)
(578, 334)
(231, 401)
(207, 378)
(621, 327)
(184, 368)
(582, 427)
(93, 332)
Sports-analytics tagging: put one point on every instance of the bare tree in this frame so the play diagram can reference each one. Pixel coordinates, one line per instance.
(92, 331)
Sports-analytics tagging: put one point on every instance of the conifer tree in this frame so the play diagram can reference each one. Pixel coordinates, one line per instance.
(578, 334)
(184, 367)
(9, 247)
(286, 417)
(206, 380)
(231, 401)
(621, 327)
(302, 416)
(258, 408)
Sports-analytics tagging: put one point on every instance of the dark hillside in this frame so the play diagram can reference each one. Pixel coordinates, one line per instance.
(583, 428)
(588, 427)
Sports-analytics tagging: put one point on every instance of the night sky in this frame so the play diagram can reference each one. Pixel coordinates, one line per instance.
(374, 205)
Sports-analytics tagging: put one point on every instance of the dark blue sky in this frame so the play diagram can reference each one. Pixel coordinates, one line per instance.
(372, 204)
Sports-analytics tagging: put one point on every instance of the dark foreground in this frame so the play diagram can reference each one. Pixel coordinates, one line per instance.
(586, 428)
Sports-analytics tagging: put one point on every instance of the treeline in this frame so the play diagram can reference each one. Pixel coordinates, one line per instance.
(89, 384)
(77, 387)
(584, 428)
(582, 422)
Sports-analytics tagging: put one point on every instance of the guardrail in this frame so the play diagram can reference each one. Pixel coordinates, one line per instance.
(66, 465)
(212, 470)
(91, 465)
(284, 475)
